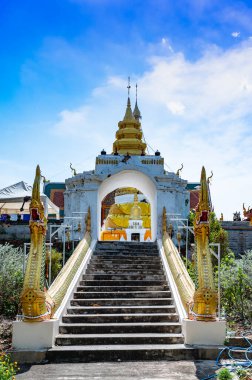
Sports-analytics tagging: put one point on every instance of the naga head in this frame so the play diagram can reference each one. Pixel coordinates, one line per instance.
(36, 207)
(203, 209)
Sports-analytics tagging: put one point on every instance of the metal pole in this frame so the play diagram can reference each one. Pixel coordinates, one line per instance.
(186, 242)
(64, 246)
(219, 297)
(50, 257)
(72, 238)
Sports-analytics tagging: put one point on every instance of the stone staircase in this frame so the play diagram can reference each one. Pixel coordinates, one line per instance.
(122, 309)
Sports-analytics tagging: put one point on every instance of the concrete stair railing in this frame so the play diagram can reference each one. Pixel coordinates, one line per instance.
(181, 277)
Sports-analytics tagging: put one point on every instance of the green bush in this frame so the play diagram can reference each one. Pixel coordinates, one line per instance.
(224, 374)
(56, 262)
(8, 369)
(11, 279)
(236, 287)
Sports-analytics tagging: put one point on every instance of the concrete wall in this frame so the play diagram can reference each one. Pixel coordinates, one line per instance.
(14, 232)
(240, 236)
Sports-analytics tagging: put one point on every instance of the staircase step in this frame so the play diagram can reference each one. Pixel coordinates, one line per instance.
(129, 267)
(129, 276)
(147, 294)
(120, 301)
(117, 318)
(124, 272)
(119, 288)
(120, 328)
(101, 339)
(121, 309)
(126, 258)
(85, 282)
(139, 352)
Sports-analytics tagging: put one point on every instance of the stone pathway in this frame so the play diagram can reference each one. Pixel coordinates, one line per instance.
(177, 370)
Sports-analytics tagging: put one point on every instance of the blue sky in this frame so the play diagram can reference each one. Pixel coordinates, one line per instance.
(63, 75)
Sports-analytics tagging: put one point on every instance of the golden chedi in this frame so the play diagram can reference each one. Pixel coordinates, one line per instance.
(129, 135)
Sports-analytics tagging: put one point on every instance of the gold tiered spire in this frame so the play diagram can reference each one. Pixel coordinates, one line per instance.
(129, 135)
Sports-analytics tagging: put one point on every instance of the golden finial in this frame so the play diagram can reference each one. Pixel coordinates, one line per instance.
(128, 114)
(179, 170)
(203, 200)
(136, 112)
(36, 185)
(129, 87)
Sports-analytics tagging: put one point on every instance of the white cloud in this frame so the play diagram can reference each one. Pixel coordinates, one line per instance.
(235, 34)
(198, 113)
(176, 108)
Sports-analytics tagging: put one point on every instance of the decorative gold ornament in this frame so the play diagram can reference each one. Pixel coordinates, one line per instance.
(135, 212)
(164, 221)
(205, 297)
(88, 220)
(247, 214)
(179, 240)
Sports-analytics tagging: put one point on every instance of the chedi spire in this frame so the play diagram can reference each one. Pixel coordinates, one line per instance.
(129, 135)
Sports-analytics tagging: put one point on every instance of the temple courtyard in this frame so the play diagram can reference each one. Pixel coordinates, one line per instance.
(176, 370)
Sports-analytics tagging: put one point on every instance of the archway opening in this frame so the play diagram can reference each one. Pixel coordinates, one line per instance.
(125, 179)
(126, 216)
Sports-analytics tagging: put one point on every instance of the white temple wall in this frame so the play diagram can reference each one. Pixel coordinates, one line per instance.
(161, 188)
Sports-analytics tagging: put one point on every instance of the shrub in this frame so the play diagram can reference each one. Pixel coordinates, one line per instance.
(11, 279)
(56, 263)
(224, 374)
(8, 369)
(236, 286)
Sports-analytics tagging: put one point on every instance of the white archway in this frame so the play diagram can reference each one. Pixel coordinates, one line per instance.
(130, 178)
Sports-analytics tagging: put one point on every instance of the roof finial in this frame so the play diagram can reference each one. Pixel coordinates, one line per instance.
(129, 87)
(136, 112)
(128, 114)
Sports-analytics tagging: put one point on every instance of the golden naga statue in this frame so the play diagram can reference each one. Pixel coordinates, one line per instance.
(247, 214)
(205, 297)
(36, 304)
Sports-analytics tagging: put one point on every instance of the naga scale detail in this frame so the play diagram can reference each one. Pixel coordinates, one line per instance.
(205, 297)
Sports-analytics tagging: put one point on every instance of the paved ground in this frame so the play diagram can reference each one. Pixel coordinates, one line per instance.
(186, 370)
